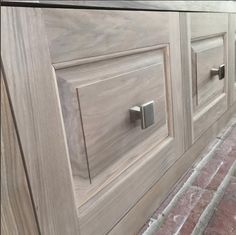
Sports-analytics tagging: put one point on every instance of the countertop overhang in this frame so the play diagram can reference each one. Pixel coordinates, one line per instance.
(182, 6)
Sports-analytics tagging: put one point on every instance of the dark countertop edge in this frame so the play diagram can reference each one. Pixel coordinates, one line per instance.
(129, 5)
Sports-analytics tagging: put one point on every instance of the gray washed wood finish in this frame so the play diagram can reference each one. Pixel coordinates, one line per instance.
(111, 75)
(17, 213)
(35, 101)
(206, 54)
(84, 69)
(209, 50)
(109, 32)
(104, 104)
(108, 132)
(231, 59)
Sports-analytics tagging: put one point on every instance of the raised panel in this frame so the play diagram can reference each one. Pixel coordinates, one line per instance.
(206, 55)
(100, 110)
(104, 106)
(208, 37)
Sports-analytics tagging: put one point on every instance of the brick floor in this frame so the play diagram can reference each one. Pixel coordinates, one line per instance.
(207, 203)
(223, 221)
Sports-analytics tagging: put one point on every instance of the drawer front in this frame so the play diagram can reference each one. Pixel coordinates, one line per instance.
(207, 54)
(104, 68)
(104, 106)
(209, 69)
(96, 99)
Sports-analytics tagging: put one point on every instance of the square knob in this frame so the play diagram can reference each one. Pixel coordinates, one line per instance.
(145, 113)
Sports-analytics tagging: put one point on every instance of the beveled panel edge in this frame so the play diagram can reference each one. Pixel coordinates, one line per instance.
(72, 63)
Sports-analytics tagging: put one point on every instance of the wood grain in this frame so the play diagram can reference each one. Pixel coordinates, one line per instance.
(205, 24)
(111, 42)
(187, 83)
(35, 101)
(17, 212)
(109, 32)
(104, 105)
(112, 199)
(204, 118)
(108, 132)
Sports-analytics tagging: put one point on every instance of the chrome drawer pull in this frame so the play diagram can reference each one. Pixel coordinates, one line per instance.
(220, 71)
(145, 113)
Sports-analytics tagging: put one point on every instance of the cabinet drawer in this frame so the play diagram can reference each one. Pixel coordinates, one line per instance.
(209, 69)
(107, 62)
(207, 54)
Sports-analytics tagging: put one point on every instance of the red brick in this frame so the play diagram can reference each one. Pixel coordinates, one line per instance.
(174, 191)
(223, 221)
(222, 172)
(179, 214)
(186, 213)
(195, 214)
(208, 172)
(213, 173)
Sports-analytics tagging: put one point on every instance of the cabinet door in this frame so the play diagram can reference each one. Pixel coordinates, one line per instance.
(207, 42)
(107, 62)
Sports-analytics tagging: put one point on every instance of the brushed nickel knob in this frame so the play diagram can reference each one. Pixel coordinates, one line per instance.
(145, 113)
(220, 71)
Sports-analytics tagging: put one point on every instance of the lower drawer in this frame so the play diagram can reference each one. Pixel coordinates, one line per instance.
(121, 105)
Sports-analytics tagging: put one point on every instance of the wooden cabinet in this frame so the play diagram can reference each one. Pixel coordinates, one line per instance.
(207, 56)
(120, 62)
(72, 77)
